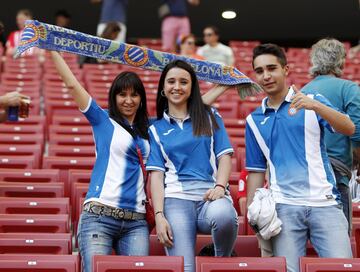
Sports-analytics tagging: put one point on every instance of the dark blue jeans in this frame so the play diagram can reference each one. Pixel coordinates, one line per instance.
(345, 199)
(100, 234)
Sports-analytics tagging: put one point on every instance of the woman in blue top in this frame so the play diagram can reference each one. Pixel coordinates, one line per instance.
(190, 160)
(114, 211)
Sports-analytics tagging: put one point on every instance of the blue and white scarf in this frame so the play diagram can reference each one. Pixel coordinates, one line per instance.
(52, 37)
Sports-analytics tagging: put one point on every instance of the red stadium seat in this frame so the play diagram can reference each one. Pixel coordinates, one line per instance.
(19, 77)
(246, 108)
(243, 44)
(80, 140)
(23, 150)
(245, 245)
(70, 130)
(31, 120)
(79, 176)
(237, 142)
(31, 189)
(89, 67)
(66, 163)
(156, 249)
(234, 178)
(233, 193)
(15, 128)
(35, 243)
(227, 109)
(30, 175)
(234, 123)
(21, 139)
(236, 132)
(21, 205)
(215, 264)
(240, 158)
(78, 191)
(135, 263)
(356, 209)
(61, 107)
(71, 150)
(18, 162)
(37, 263)
(70, 121)
(308, 264)
(49, 223)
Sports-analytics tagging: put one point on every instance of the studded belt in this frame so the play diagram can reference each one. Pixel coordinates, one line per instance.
(117, 213)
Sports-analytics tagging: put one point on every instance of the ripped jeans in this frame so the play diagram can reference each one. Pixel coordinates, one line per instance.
(99, 235)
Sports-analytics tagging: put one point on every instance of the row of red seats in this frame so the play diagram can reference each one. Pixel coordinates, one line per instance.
(69, 263)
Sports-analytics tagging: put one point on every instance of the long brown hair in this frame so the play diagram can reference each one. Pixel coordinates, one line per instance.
(198, 111)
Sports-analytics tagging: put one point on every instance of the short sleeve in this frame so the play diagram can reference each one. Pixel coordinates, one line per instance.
(222, 143)
(325, 101)
(156, 161)
(352, 108)
(255, 159)
(94, 113)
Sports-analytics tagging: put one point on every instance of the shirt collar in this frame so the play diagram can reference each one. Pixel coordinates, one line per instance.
(288, 97)
(171, 120)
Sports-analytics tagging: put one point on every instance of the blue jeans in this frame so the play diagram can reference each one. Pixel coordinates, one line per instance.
(99, 235)
(326, 227)
(187, 217)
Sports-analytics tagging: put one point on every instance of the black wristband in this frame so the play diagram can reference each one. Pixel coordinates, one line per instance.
(220, 185)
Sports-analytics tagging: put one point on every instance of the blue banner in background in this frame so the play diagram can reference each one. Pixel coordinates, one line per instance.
(52, 37)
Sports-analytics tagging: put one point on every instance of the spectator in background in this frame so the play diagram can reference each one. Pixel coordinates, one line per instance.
(354, 51)
(110, 32)
(175, 21)
(213, 50)
(62, 18)
(286, 133)
(10, 99)
(14, 37)
(328, 59)
(187, 46)
(113, 11)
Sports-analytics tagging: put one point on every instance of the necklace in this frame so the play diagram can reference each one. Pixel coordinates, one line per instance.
(181, 119)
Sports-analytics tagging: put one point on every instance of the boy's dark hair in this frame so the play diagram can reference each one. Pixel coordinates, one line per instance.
(270, 49)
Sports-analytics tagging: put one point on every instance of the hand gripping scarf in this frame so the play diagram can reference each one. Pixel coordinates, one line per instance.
(52, 37)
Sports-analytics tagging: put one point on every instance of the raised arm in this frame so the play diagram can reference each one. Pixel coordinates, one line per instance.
(339, 121)
(210, 96)
(79, 94)
(254, 180)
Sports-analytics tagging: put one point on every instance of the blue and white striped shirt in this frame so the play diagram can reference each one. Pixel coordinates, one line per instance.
(117, 179)
(292, 144)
